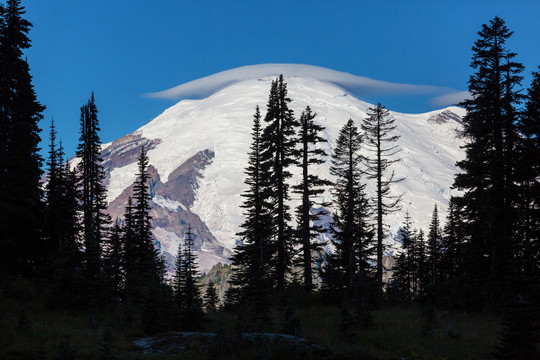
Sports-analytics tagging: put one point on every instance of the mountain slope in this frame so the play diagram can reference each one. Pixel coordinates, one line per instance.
(198, 151)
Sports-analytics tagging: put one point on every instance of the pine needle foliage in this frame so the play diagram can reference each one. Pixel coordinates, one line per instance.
(350, 228)
(310, 188)
(279, 153)
(378, 128)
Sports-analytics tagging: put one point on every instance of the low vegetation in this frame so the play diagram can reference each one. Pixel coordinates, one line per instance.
(32, 328)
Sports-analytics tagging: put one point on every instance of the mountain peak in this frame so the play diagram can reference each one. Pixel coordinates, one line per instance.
(199, 149)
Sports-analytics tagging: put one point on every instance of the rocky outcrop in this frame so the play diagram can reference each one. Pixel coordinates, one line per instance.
(171, 202)
(124, 151)
(444, 117)
(388, 266)
(220, 275)
(256, 345)
(449, 116)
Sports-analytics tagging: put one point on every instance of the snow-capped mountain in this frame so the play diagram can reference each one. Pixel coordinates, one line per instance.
(198, 151)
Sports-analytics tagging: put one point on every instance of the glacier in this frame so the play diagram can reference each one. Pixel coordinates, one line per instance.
(220, 123)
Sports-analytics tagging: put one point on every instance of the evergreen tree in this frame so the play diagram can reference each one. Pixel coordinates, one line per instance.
(54, 193)
(351, 235)
(148, 269)
(404, 267)
(68, 262)
(188, 293)
(310, 186)
(528, 178)
(146, 284)
(400, 276)
(61, 223)
(487, 179)
(434, 250)
(210, 300)
(132, 264)
(20, 162)
(452, 246)
(60, 199)
(378, 127)
(420, 278)
(179, 278)
(278, 154)
(251, 259)
(92, 194)
(521, 330)
(113, 259)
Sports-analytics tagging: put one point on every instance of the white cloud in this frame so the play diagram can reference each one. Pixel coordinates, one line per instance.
(451, 99)
(358, 85)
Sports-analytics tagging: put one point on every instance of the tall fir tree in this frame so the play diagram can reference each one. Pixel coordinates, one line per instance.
(310, 187)
(70, 261)
(528, 178)
(149, 261)
(53, 194)
(404, 268)
(452, 246)
(211, 299)
(433, 252)
(352, 237)
(61, 210)
(278, 155)
(419, 276)
(113, 261)
(188, 293)
(61, 230)
(252, 259)
(378, 127)
(487, 177)
(253, 253)
(179, 278)
(521, 330)
(92, 194)
(20, 161)
(132, 265)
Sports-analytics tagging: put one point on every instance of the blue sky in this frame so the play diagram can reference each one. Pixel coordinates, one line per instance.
(124, 49)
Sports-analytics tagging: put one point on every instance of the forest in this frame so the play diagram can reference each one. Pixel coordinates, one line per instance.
(77, 284)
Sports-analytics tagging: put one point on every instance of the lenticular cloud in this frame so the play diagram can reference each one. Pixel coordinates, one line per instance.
(357, 85)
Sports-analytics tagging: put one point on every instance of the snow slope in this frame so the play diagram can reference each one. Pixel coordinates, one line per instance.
(430, 146)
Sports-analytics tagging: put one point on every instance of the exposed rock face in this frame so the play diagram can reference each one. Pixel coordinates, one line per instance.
(124, 151)
(448, 116)
(444, 117)
(220, 275)
(388, 266)
(171, 201)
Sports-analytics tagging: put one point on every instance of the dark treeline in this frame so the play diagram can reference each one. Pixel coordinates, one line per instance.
(485, 257)
(274, 254)
(58, 232)
(92, 260)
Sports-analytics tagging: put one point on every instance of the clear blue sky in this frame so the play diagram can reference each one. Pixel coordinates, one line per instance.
(123, 49)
